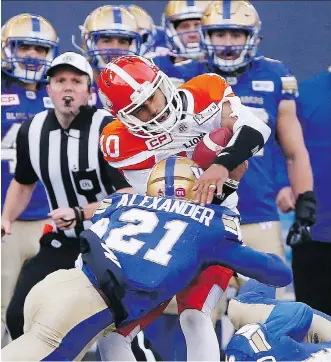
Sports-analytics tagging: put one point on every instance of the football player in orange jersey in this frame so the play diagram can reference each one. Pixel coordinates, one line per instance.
(154, 121)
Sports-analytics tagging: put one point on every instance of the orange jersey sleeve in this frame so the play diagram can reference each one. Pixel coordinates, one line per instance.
(123, 150)
(207, 88)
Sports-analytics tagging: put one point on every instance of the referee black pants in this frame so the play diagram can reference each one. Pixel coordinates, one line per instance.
(48, 260)
(311, 264)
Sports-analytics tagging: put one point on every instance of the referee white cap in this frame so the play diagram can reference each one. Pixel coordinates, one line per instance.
(73, 59)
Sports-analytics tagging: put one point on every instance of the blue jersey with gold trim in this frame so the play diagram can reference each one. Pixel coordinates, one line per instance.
(19, 105)
(155, 246)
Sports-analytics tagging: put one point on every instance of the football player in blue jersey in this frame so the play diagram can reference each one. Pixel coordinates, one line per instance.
(29, 44)
(181, 21)
(313, 247)
(231, 34)
(275, 330)
(110, 31)
(139, 253)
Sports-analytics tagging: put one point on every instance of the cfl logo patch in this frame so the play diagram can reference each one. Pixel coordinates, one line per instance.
(86, 185)
(180, 192)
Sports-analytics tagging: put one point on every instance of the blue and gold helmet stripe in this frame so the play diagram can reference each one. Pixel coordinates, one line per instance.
(117, 16)
(35, 24)
(227, 9)
(169, 176)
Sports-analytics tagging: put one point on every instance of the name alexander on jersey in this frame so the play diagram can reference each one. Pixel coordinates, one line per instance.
(203, 215)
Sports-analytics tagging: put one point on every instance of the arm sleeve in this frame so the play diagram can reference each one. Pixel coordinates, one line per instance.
(24, 172)
(264, 267)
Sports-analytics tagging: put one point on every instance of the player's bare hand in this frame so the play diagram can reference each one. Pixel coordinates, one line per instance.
(64, 218)
(285, 199)
(5, 227)
(239, 171)
(210, 181)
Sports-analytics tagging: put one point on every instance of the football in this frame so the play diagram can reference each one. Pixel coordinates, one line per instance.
(211, 145)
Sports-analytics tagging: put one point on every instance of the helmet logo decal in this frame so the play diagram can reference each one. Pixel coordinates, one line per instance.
(180, 192)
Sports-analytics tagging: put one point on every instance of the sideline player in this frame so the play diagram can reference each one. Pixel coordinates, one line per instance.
(28, 46)
(231, 35)
(181, 21)
(129, 280)
(108, 31)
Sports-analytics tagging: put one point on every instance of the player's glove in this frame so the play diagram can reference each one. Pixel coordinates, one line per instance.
(298, 234)
(305, 216)
(305, 208)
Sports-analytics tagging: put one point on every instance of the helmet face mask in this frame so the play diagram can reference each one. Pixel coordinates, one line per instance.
(179, 40)
(147, 41)
(101, 56)
(16, 36)
(177, 12)
(172, 109)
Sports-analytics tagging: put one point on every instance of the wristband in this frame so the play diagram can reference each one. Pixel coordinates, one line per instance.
(244, 144)
(77, 216)
(79, 213)
(82, 215)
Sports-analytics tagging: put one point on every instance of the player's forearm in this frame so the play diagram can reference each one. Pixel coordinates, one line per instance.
(300, 172)
(266, 268)
(17, 199)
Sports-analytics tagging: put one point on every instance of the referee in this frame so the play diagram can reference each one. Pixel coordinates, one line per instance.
(60, 148)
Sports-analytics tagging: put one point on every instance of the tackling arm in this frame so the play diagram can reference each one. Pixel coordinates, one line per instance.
(264, 267)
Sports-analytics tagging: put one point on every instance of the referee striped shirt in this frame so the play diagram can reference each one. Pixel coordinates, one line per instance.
(67, 161)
